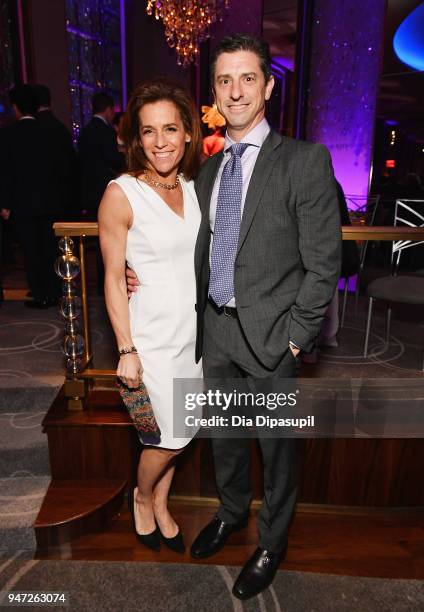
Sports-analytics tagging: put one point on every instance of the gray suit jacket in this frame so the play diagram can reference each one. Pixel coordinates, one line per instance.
(289, 251)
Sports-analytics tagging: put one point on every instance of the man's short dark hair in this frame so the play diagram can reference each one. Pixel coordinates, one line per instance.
(243, 42)
(44, 97)
(101, 101)
(24, 98)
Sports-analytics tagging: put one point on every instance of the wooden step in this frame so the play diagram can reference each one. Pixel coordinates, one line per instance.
(105, 408)
(72, 508)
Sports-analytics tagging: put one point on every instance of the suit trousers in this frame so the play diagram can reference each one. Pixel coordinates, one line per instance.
(39, 246)
(227, 355)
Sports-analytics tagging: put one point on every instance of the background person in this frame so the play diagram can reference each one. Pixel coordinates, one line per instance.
(65, 178)
(99, 162)
(29, 169)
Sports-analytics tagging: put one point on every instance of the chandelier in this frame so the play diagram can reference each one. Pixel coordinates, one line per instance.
(187, 23)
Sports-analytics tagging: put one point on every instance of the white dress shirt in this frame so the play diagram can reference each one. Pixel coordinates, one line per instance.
(255, 138)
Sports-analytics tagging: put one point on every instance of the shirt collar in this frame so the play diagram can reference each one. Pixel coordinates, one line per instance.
(255, 137)
(102, 118)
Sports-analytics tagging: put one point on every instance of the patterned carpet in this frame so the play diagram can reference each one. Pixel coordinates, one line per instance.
(163, 587)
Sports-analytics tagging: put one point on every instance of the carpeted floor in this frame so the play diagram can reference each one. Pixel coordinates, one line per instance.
(29, 381)
(24, 461)
(162, 587)
(30, 377)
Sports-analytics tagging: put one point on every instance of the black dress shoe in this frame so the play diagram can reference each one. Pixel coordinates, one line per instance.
(257, 574)
(151, 540)
(176, 543)
(213, 537)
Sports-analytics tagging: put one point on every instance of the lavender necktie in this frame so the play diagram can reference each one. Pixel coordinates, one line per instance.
(227, 228)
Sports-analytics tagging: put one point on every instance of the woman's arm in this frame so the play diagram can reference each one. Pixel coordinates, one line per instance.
(115, 217)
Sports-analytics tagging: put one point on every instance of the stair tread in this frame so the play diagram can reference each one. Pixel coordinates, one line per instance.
(70, 500)
(106, 408)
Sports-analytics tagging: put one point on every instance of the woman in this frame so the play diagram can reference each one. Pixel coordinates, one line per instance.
(150, 217)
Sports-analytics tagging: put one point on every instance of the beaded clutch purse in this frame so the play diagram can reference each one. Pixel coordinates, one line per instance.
(138, 404)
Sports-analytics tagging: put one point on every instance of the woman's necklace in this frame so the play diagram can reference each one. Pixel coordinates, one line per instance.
(155, 183)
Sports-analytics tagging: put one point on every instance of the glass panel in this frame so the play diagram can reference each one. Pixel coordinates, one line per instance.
(94, 39)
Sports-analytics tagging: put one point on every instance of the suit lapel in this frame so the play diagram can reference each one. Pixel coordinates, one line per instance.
(260, 175)
(208, 183)
(204, 194)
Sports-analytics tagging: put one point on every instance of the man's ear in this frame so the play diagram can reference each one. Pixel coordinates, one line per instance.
(269, 87)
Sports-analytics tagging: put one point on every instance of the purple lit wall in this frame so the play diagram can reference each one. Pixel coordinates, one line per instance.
(344, 70)
(242, 16)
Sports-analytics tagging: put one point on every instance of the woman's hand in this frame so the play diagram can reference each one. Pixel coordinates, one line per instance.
(132, 281)
(130, 370)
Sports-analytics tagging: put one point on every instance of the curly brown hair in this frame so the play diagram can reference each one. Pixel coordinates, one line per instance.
(149, 92)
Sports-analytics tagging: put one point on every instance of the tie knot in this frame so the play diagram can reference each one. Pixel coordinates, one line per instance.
(238, 149)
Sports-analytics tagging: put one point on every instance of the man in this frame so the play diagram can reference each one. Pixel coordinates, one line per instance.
(62, 148)
(99, 162)
(99, 158)
(29, 169)
(267, 263)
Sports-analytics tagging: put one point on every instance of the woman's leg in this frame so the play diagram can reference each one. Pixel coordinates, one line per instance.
(152, 466)
(167, 525)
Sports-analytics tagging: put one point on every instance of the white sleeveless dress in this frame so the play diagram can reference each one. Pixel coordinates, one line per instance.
(160, 250)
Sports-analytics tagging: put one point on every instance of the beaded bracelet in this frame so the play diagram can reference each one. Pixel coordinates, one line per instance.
(127, 349)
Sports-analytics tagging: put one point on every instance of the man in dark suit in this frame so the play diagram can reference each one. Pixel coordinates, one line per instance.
(99, 162)
(99, 158)
(60, 138)
(267, 262)
(28, 170)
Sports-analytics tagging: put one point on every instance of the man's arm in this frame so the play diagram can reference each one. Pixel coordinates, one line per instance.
(319, 229)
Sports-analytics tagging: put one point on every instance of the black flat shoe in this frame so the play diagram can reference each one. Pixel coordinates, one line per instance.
(257, 574)
(151, 540)
(213, 537)
(176, 543)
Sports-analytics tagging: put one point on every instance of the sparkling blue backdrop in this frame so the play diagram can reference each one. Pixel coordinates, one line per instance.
(94, 47)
